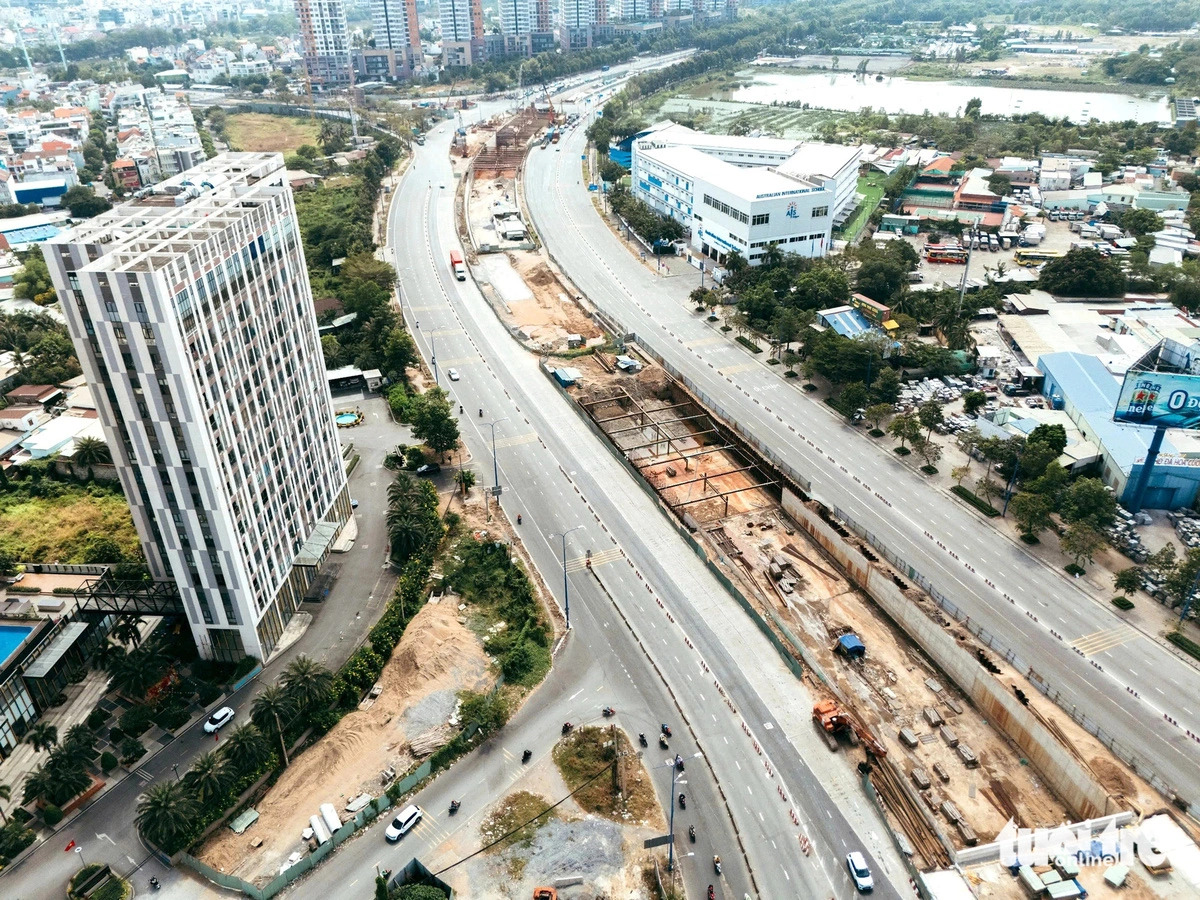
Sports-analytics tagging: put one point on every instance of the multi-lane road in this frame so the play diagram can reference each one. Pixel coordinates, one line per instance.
(1028, 605)
(651, 633)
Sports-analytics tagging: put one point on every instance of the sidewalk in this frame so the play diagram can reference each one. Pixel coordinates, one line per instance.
(81, 700)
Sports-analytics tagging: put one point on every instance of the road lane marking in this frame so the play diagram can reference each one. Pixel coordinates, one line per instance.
(1091, 644)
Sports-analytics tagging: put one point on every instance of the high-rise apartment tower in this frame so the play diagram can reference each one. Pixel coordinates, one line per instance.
(191, 313)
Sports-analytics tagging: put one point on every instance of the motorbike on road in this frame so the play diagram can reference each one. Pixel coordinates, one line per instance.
(608, 712)
(692, 833)
(567, 726)
(717, 864)
(642, 739)
(682, 802)
(525, 757)
(454, 805)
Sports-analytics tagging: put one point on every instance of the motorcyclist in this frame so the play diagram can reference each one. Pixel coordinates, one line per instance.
(682, 801)
(518, 518)
(566, 727)
(481, 412)
(692, 833)
(460, 409)
(642, 739)
(717, 864)
(678, 762)
(526, 755)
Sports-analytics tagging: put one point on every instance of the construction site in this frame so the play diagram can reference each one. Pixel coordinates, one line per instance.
(947, 775)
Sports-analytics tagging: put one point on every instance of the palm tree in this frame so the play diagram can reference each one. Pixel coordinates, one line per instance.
(270, 709)
(404, 488)
(308, 683)
(90, 451)
(5, 796)
(38, 784)
(138, 671)
(407, 533)
(246, 748)
(68, 778)
(209, 776)
(79, 743)
(166, 815)
(128, 630)
(42, 736)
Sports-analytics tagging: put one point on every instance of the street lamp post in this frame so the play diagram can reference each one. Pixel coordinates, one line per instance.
(433, 359)
(566, 584)
(674, 800)
(495, 460)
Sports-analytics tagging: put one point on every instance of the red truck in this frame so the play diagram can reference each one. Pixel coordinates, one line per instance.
(457, 266)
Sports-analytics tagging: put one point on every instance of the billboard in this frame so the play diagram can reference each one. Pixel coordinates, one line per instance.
(1162, 388)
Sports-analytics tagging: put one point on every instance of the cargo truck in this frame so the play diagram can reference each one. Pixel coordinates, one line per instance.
(457, 266)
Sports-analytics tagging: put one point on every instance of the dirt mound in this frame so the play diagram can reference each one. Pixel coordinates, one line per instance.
(437, 653)
(1112, 776)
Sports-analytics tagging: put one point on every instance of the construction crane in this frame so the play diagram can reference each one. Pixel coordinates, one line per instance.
(549, 103)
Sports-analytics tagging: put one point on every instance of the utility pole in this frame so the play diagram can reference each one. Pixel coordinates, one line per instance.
(282, 745)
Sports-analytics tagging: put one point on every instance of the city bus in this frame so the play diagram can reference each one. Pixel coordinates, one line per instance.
(945, 254)
(1030, 257)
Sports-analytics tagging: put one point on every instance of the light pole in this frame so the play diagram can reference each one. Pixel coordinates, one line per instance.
(566, 584)
(674, 799)
(495, 459)
(433, 359)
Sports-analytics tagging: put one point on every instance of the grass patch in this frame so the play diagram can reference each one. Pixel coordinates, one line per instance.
(929, 470)
(1122, 603)
(901, 451)
(1074, 569)
(980, 504)
(1184, 643)
(498, 590)
(871, 187)
(586, 751)
(772, 361)
(876, 432)
(808, 387)
(748, 344)
(56, 526)
(791, 373)
(519, 811)
(1030, 539)
(259, 132)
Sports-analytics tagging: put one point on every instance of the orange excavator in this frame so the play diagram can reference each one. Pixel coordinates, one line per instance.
(833, 721)
(545, 893)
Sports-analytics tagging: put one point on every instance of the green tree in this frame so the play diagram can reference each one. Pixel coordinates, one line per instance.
(1089, 501)
(246, 749)
(1054, 436)
(881, 279)
(958, 473)
(465, 479)
(1179, 581)
(208, 778)
(929, 451)
(877, 412)
(1035, 457)
(853, 397)
(128, 630)
(5, 796)
(166, 815)
(32, 280)
(41, 736)
(91, 451)
(1128, 580)
(333, 137)
(381, 888)
(886, 386)
(974, 401)
(368, 267)
(1081, 542)
(309, 684)
(1082, 273)
(987, 489)
(905, 427)
(271, 710)
(490, 711)
(83, 202)
(1032, 512)
(433, 420)
(929, 414)
(1140, 221)
(136, 672)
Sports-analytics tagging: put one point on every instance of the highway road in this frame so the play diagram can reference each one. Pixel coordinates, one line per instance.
(1033, 608)
(651, 632)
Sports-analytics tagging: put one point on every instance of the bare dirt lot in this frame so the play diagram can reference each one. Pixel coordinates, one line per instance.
(437, 657)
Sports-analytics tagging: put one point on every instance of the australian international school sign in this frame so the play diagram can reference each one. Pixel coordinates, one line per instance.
(1163, 388)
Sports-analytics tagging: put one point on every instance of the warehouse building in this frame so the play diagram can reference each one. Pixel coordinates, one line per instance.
(1080, 385)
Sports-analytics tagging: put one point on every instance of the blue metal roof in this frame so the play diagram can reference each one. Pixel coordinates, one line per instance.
(1086, 385)
(846, 321)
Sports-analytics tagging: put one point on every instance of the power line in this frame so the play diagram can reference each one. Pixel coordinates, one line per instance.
(523, 824)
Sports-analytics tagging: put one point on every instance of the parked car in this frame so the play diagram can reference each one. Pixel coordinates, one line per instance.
(403, 823)
(219, 719)
(429, 469)
(859, 872)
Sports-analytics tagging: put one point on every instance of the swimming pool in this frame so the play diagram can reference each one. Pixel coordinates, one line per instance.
(10, 639)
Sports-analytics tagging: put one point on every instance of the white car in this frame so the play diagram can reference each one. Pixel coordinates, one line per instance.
(859, 872)
(453, 373)
(403, 823)
(219, 719)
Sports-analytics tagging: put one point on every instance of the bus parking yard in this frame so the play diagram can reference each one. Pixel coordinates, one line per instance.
(999, 264)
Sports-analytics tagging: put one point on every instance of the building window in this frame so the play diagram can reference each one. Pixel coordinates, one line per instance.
(819, 212)
(761, 219)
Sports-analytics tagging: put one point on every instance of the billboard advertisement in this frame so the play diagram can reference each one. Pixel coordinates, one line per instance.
(1162, 388)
